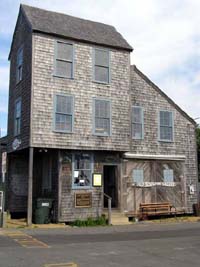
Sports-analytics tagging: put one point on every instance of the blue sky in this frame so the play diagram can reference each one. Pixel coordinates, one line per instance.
(165, 36)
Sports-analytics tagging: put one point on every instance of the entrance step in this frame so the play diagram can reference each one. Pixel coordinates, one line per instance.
(117, 217)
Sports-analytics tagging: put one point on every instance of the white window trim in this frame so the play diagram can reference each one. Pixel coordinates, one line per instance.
(20, 117)
(54, 113)
(65, 60)
(166, 140)
(94, 64)
(142, 111)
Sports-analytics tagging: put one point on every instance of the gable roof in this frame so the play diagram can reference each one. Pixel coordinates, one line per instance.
(73, 28)
(153, 85)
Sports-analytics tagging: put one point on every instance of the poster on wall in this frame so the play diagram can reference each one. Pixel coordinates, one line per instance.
(97, 180)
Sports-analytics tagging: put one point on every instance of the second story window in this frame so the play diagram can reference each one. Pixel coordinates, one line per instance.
(102, 117)
(17, 120)
(137, 123)
(64, 60)
(19, 64)
(166, 126)
(101, 65)
(63, 117)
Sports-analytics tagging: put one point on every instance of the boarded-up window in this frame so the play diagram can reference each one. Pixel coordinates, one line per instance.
(137, 122)
(19, 64)
(17, 125)
(168, 176)
(102, 117)
(64, 113)
(64, 60)
(138, 176)
(166, 126)
(101, 65)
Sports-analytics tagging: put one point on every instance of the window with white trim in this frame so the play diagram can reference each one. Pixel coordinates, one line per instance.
(138, 176)
(17, 125)
(102, 117)
(137, 122)
(168, 175)
(166, 126)
(63, 121)
(82, 170)
(101, 65)
(19, 64)
(64, 60)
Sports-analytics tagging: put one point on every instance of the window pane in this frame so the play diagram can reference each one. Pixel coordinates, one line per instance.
(102, 108)
(102, 126)
(165, 118)
(138, 176)
(102, 58)
(64, 51)
(101, 74)
(166, 133)
(82, 161)
(20, 57)
(64, 104)
(18, 109)
(137, 130)
(168, 175)
(82, 169)
(63, 122)
(137, 114)
(64, 69)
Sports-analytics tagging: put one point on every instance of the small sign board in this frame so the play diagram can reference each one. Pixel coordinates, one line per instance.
(83, 200)
(97, 180)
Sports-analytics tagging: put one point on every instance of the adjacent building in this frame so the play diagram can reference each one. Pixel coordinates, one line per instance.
(78, 108)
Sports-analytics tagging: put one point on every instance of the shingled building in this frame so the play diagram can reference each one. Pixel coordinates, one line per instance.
(78, 108)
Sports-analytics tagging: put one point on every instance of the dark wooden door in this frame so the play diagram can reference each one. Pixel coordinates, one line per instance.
(110, 185)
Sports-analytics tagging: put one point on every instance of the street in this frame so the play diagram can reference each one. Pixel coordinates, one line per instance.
(137, 245)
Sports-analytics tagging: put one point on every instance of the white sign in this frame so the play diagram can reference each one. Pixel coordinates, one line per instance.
(45, 204)
(191, 187)
(16, 143)
(151, 184)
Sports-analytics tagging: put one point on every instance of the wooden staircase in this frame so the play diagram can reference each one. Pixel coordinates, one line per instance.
(117, 217)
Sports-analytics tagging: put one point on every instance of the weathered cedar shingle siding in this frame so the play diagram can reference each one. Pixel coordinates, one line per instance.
(184, 143)
(82, 87)
(22, 36)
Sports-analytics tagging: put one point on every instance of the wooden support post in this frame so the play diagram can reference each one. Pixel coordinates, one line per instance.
(30, 187)
(109, 210)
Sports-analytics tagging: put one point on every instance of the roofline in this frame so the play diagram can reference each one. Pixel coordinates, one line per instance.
(143, 76)
(82, 40)
(3, 140)
(28, 23)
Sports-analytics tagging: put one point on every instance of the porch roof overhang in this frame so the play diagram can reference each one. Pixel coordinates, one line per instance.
(129, 155)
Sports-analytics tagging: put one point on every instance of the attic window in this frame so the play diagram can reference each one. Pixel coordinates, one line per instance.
(64, 60)
(166, 126)
(19, 64)
(101, 65)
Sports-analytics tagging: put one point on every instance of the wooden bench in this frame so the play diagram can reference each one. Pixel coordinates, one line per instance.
(152, 209)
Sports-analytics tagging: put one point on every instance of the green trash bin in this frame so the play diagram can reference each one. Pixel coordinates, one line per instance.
(42, 210)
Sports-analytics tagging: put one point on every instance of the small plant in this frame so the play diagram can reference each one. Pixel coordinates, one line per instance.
(90, 222)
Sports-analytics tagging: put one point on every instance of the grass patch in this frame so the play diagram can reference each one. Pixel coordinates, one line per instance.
(101, 221)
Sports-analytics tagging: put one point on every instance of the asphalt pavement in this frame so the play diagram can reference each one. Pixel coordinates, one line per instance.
(138, 245)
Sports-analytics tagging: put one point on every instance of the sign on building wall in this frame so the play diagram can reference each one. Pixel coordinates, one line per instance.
(3, 165)
(151, 184)
(83, 200)
(97, 180)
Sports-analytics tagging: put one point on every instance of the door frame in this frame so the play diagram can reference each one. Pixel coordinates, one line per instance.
(118, 182)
